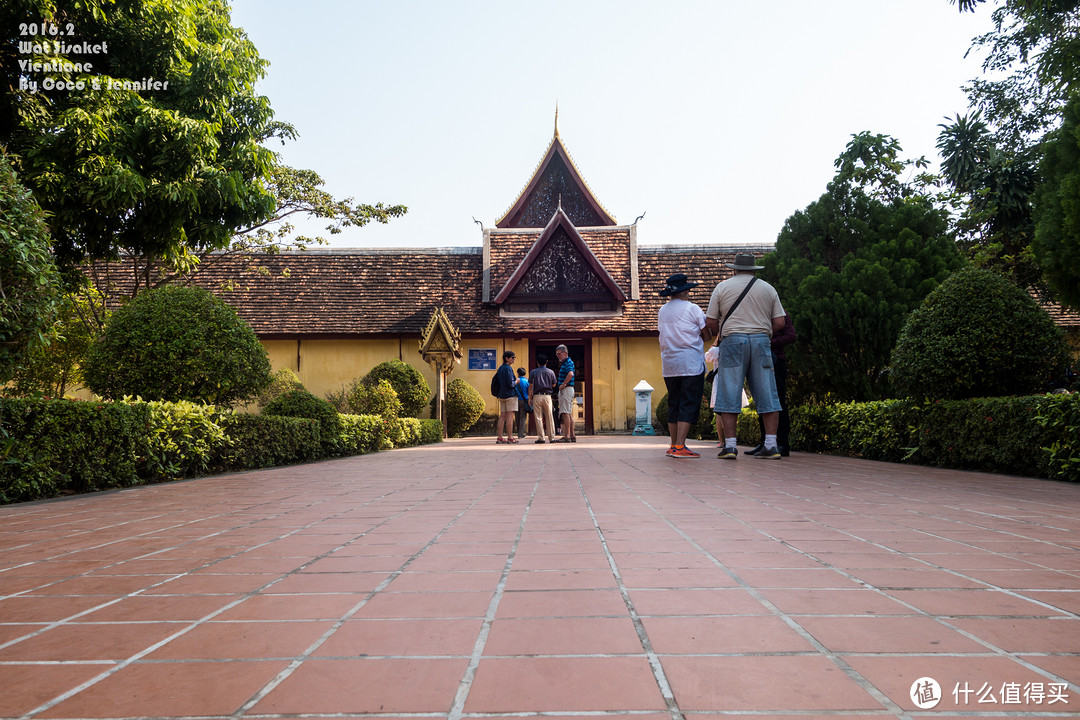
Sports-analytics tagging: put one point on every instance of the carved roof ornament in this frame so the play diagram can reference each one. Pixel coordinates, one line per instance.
(556, 176)
(440, 343)
(561, 265)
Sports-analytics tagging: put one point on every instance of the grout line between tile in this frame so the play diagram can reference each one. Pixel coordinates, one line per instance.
(639, 627)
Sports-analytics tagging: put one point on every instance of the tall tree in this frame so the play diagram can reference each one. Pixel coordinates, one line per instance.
(125, 163)
(1033, 67)
(1057, 232)
(1032, 63)
(29, 282)
(996, 224)
(850, 267)
(137, 126)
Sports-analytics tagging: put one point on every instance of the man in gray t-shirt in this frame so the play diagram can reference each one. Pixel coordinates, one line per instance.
(745, 355)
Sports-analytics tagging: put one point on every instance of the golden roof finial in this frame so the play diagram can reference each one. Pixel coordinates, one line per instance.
(556, 118)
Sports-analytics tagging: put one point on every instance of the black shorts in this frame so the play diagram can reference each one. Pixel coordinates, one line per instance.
(684, 397)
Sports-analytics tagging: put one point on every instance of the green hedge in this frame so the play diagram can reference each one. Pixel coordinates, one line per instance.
(262, 441)
(431, 431)
(52, 447)
(747, 432)
(56, 447)
(363, 434)
(1030, 435)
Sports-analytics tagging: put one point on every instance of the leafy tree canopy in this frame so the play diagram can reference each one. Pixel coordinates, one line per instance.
(149, 170)
(849, 268)
(55, 369)
(1033, 64)
(1057, 233)
(1032, 67)
(996, 223)
(164, 171)
(29, 282)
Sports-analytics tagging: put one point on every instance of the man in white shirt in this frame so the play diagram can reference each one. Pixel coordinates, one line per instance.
(682, 357)
(745, 354)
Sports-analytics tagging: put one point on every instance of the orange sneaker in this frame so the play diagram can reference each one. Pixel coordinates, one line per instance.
(670, 451)
(685, 452)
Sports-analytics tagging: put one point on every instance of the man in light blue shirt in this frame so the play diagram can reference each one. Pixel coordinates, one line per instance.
(682, 357)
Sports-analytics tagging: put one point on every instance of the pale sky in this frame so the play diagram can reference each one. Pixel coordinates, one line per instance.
(718, 120)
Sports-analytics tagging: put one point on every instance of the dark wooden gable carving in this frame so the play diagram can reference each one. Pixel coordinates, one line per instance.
(556, 182)
(560, 273)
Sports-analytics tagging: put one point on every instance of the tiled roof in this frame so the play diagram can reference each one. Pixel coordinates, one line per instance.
(1063, 317)
(555, 175)
(511, 253)
(394, 291)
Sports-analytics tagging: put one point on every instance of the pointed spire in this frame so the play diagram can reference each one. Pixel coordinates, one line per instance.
(556, 118)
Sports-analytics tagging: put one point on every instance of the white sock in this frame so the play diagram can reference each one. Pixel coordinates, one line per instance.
(770, 441)
(729, 442)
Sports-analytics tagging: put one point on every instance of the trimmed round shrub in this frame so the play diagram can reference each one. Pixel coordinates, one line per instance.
(976, 335)
(177, 343)
(409, 384)
(281, 382)
(373, 398)
(464, 406)
(301, 403)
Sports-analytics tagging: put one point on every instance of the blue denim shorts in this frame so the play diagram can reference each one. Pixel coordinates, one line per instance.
(749, 358)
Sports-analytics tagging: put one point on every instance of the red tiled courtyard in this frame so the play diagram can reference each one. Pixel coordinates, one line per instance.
(600, 579)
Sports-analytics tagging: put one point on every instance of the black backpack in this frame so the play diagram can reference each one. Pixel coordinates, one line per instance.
(495, 384)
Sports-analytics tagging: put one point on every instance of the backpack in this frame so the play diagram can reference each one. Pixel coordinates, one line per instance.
(495, 384)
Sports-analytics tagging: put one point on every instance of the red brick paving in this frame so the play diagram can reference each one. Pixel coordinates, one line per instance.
(469, 580)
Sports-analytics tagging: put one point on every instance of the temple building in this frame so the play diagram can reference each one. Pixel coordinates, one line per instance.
(557, 268)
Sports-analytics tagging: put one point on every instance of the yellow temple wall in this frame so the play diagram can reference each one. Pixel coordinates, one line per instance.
(619, 364)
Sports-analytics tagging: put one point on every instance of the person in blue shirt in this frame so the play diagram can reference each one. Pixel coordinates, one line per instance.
(566, 394)
(523, 403)
(508, 401)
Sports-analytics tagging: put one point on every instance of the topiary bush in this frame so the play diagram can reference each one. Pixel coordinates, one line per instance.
(464, 406)
(177, 343)
(976, 335)
(301, 403)
(281, 382)
(409, 384)
(371, 397)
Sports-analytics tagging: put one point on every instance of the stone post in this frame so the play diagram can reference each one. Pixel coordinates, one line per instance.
(643, 392)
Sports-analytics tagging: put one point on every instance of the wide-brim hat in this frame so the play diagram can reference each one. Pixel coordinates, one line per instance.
(745, 262)
(676, 284)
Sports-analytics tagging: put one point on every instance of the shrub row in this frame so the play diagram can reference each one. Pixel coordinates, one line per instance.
(1029, 435)
(55, 447)
(748, 431)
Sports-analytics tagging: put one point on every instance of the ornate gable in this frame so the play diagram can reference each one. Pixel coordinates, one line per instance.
(555, 182)
(560, 274)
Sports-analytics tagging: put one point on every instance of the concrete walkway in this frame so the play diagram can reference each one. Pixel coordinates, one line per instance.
(599, 579)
